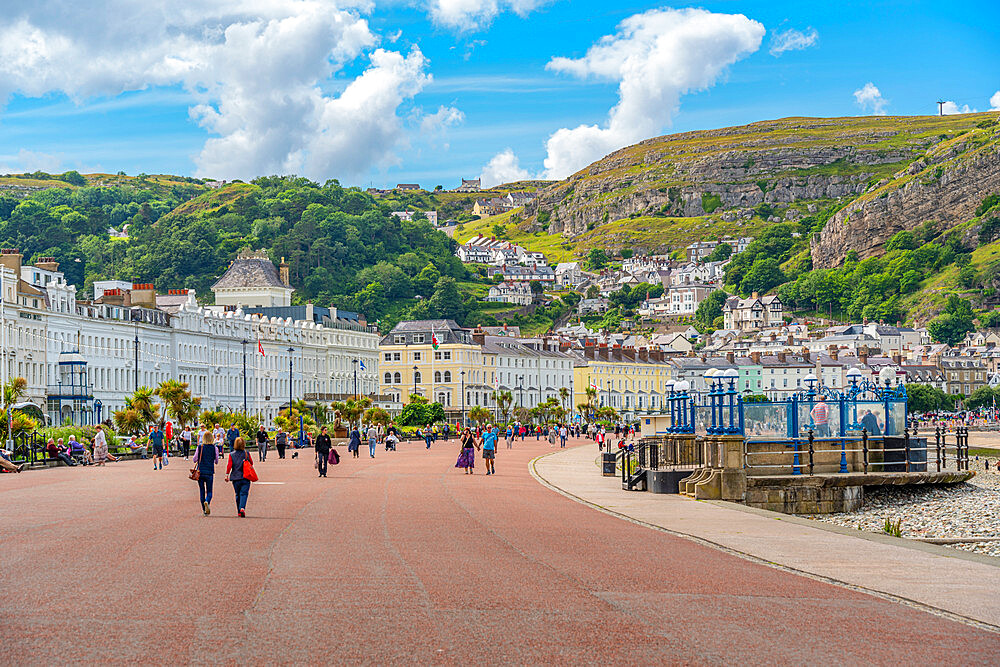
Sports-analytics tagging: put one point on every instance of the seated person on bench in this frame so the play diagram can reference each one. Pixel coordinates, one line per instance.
(134, 447)
(58, 452)
(7, 465)
(77, 450)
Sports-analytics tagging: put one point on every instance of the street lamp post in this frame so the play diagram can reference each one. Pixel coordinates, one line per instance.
(520, 390)
(136, 323)
(290, 351)
(244, 343)
(414, 380)
(462, 373)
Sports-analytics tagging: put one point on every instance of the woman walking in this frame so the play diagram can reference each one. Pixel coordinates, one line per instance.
(206, 456)
(467, 457)
(234, 474)
(354, 444)
(280, 442)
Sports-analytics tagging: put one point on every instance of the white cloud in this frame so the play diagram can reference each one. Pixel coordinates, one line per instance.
(656, 57)
(441, 119)
(255, 70)
(792, 40)
(870, 99)
(949, 108)
(995, 101)
(503, 168)
(466, 15)
(28, 161)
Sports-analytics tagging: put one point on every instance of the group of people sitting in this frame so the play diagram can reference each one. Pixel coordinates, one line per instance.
(74, 452)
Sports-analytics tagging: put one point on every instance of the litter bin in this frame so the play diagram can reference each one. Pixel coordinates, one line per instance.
(608, 463)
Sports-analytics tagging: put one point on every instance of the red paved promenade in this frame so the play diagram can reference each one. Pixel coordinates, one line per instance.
(406, 559)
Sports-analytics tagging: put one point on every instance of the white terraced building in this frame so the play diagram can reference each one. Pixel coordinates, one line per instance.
(79, 356)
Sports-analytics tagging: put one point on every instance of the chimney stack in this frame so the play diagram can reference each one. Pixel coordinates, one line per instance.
(479, 336)
(782, 357)
(11, 258)
(755, 358)
(47, 264)
(863, 355)
(283, 273)
(731, 357)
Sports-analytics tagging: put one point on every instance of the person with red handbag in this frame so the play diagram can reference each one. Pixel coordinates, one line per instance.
(240, 471)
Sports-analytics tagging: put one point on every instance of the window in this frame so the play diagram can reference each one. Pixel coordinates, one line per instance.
(416, 377)
(447, 376)
(399, 340)
(388, 356)
(397, 356)
(416, 356)
(418, 338)
(398, 378)
(437, 376)
(388, 378)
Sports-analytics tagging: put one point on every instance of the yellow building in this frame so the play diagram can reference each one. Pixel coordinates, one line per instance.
(630, 380)
(410, 362)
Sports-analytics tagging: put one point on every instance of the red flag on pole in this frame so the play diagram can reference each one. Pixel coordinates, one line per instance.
(260, 348)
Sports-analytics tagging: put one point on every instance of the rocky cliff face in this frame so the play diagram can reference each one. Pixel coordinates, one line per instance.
(944, 187)
(793, 165)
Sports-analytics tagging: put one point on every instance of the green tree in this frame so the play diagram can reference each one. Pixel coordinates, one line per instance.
(446, 302)
(597, 259)
(927, 398)
(720, 253)
(763, 275)
(426, 280)
(711, 308)
(951, 326)
(904, 240)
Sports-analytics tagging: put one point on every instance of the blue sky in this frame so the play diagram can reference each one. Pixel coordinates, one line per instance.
(450, 94)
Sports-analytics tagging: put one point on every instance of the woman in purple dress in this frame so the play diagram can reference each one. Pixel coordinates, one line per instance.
(467, 459)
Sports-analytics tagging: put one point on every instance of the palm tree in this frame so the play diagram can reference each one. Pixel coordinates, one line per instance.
(504, 400)
(139, 412)
(176, 399)
(377, 416)
(13, 392)
(563, 395)
(480, 415)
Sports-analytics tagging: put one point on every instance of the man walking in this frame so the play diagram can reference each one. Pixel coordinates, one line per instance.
(156, 440)
(490, 448)
(231, 436)
(219, 436)
(323, 445)
(563, 432)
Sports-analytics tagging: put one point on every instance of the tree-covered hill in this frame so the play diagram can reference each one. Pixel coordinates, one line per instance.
(342, 245)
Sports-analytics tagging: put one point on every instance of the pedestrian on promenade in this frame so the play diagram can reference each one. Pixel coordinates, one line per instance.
(467, 456)
(563, 432)
(427, 437)
(231, 435)
(234, 474)
(372, 440)
(354, 442)
(156, 439)
(323, 445)
(219, 435)
(820, 415)
(490, 436)
(186, 442)
(261, 437)
(101, 453)
(206, 456)
(552, 437)
(280, 442)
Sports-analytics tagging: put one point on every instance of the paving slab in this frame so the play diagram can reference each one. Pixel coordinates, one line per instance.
(947, 580)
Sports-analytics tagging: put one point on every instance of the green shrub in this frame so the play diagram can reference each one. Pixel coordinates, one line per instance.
(710, 202)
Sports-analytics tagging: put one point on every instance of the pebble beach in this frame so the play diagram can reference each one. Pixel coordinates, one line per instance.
(968, 510)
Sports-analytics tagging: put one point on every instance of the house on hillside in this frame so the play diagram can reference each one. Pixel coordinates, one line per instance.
(407, 186)
(569, 274)
(469, 185)
(753, 313)
(511, 292)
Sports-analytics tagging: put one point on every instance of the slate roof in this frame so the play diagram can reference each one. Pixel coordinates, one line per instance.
(250, 272)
